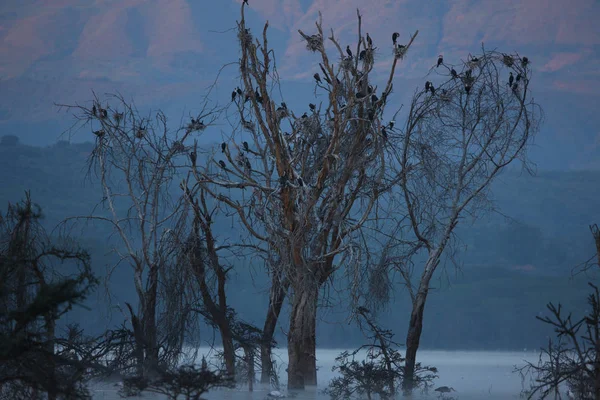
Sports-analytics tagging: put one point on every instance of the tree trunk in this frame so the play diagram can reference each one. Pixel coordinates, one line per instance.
(150, 344)
(413, 338)
(415, 325)
(302, 367)
(278, 293)
(228, 347)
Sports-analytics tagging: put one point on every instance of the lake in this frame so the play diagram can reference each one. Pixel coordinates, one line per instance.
(473, 374)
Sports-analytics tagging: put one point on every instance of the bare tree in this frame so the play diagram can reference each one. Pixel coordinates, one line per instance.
(459, 134)
(303, 186)
(136, 159)
(572, 359)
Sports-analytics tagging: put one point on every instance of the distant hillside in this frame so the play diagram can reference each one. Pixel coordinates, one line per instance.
(511, 267)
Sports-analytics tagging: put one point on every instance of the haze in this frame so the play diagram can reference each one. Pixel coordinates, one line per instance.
(507, 264)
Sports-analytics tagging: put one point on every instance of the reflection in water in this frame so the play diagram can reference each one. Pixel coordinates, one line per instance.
(474, 375)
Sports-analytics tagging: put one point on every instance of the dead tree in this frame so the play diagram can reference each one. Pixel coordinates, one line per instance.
(307, 183)
(572, 359)
(204, 259)
(135, 160)
(459, 134)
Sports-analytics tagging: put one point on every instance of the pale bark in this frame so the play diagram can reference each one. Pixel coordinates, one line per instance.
(302, 339)
(276, 298)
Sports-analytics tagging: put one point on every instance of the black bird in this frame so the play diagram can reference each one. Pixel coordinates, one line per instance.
(94, 110)
(304, 115)
(259, 98)
(223, 147)
(524, 61)
(384, 132)
(440, 60)
(239, 91)
(468, 73)
(474, 59)
(391, 124)
(395, 36)
(222, 163)
(317, 77)
(193, 158)
(246, 98)
(248, 165)
(515, 87)
(349, 51)
(312, 107)
(401, 47)
(246, 2)
(246, 147)
(511, 78)
(518, 77)
(432, 89)
(467, 87)
(284, 105)
(140, 132)
(193, 121)
(427, 86)
(233, 94)
(362, 54)
(371, 114)
(369, 41)
(374, 98)
(370, 88)
(453, 73)
(103, 113)
(99, 133)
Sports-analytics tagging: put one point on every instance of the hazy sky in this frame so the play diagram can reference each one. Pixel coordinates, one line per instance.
(164, 53)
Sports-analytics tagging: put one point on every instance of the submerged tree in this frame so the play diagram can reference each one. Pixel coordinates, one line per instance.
(135, 159)
(459, 134)
(572, 359)
(39, 282)
(303, 185)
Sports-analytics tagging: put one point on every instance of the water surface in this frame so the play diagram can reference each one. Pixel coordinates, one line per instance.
(473, 374)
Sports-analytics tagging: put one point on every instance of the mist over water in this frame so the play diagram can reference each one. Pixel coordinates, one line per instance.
(473, 374)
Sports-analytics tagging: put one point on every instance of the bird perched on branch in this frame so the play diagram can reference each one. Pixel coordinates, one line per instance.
(348, 51)
(453, 73)
(222, 163)
(223, 147)
(369, 40)
(440, 60)
(193, 158)
(395, 36)
(246, 146)
(317, 77)
(511, 78)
